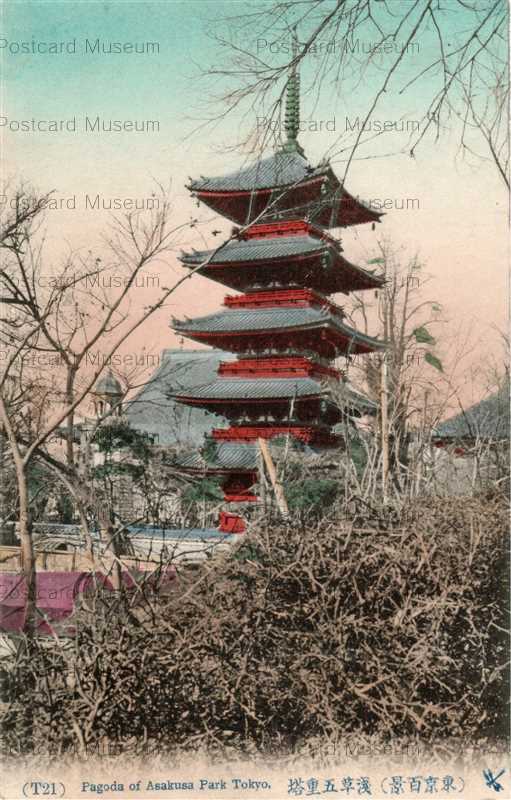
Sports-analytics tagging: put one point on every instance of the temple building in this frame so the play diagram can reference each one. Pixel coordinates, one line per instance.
(283, 331)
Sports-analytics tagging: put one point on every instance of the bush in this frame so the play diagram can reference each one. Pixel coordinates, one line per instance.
(392, 631)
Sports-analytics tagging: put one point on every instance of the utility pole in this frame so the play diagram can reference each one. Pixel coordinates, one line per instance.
(384, 429)
(385, 401)
(272, 472)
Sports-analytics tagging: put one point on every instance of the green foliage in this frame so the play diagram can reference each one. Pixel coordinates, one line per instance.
(119, 436)
(136, 471)
(65, 508)
(423, 336)
(207, 489)
(434, 361)
(209, 451)
(248, 552)
(358, 455)
(311, 494)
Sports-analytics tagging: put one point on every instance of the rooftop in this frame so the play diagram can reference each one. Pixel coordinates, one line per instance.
(154, 411)
(273, 319)
(343, 275)
(489, 419)
(343, 395)
(280, 169)
(108, 384)
(224, 456)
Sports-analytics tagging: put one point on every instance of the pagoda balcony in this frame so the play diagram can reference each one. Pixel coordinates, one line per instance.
(289, 298)
(240, 497)
(308, 434)
(281, 367)
(295, 227)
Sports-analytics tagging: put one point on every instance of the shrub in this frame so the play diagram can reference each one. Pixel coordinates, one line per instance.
(316, 633)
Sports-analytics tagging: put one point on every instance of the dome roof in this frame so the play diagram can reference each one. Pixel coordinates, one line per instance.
(108, 384)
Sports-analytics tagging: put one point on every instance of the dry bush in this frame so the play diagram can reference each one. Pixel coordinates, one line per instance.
(392, 630)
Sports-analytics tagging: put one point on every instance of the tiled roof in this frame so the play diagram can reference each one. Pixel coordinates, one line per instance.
(182, 534)
(342, 395)
(234, 320)
(489, 419)
(73, 533)
(155, 412)
(280, 169)
(350, 397)
(247, 388)
(226, 455)
(259, 249)
(108, 384)
(277, 247)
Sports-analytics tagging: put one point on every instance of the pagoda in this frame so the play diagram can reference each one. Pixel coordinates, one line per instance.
(282, 325)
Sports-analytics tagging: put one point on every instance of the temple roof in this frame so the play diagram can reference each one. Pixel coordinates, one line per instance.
(182, 534)
(285, 184)
(284, 247)
(273, 319)
(301, 189)
(155, 412)
(488, 420)
(73, 534)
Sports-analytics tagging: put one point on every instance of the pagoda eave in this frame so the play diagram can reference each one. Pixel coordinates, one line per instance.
(303, 269)
(322, 340)
(305, 200)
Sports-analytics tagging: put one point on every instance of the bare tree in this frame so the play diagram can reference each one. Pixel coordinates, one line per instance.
(409, 367)
(64, 332)
(459, 62)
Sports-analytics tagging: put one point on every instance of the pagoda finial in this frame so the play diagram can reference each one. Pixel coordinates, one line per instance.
(292, 113)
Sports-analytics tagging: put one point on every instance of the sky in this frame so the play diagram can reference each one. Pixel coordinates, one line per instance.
(450, 211)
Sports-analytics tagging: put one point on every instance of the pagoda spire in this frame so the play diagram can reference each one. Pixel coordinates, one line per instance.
(292, 112)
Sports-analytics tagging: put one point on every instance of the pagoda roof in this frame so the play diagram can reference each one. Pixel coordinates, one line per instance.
(278, 389)
(261, 249)
(273, 319)
(285, 247)
(284, 184)
(227, 456)
(279, 170)
(258, 388)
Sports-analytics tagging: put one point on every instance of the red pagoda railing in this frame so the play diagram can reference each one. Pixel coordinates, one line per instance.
(295, 227)
(285, 298)
(283, 367)
(306, 434)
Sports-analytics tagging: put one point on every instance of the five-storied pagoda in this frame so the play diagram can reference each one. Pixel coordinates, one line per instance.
(283, 328)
